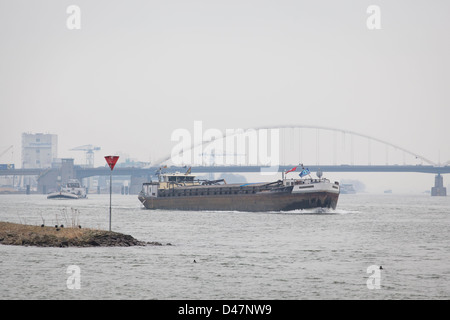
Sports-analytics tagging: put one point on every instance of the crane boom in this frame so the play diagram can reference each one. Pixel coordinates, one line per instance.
(89, 149)
(7, 149)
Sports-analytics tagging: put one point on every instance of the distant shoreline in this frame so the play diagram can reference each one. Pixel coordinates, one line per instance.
(60, 236)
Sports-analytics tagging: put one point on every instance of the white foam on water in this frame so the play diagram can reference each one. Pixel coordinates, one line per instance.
(318, 211)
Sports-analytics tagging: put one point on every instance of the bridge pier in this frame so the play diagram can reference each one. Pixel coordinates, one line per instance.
(136, 184)
(51, 179)
(438, 189)
(48, 181)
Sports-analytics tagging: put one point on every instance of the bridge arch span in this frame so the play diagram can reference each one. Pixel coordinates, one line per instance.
(165, 159)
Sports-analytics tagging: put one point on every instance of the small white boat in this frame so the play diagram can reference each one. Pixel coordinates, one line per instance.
(72, 190)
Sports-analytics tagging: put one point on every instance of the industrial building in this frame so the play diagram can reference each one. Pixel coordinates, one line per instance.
(39, 150)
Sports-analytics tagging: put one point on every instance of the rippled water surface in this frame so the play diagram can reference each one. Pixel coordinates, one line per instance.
(239, 255)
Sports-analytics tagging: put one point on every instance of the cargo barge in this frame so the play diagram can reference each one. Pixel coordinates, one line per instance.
(178, 191)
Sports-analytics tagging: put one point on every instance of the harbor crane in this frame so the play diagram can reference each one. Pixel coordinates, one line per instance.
(89, 149)
(6, 150)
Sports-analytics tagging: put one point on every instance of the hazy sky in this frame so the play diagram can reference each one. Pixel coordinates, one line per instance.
(138, 70)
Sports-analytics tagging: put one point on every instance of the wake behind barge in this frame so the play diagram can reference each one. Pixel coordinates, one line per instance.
(178, 191)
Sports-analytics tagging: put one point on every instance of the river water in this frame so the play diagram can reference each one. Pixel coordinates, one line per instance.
(238, 255)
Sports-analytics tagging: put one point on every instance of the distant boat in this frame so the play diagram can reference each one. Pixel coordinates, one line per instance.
(72, 190)
(347, 188)
(388, 191)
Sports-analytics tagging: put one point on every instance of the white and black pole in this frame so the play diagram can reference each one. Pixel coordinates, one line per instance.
(111, 160)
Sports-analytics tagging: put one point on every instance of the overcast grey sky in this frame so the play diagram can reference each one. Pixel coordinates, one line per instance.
(137, 70)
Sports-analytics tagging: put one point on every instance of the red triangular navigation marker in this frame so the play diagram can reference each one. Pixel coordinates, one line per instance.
(111, 160)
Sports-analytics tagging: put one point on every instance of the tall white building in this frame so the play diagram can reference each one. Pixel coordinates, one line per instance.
(39, 150)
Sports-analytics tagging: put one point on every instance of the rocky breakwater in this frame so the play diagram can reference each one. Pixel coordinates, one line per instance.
(58, 236)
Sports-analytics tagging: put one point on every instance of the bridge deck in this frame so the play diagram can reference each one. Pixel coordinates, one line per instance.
(131, 171)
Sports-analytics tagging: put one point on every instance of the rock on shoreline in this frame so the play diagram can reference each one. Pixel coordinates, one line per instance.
(27, 235)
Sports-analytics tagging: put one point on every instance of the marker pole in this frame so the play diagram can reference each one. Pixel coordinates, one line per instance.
(110, 198)
(111, 160)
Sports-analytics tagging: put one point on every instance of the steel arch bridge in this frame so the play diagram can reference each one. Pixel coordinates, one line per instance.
(291, 141)
(294, 144)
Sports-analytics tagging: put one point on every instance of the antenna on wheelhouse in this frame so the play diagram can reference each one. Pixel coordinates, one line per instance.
(319, 173)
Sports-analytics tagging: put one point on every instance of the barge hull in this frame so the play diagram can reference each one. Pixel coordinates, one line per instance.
(264, 201)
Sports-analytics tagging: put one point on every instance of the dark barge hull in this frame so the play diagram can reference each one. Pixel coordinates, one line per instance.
(263, 201)
(62, 196)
